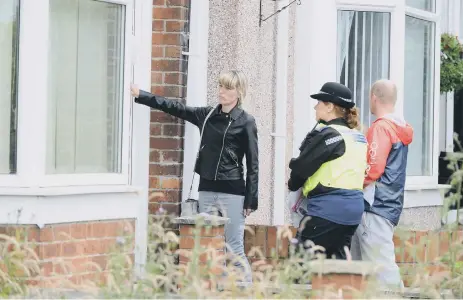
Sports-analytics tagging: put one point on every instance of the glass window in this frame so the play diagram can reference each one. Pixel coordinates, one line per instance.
(86, 49)
(428, 5)
(418, 92)
(9, 44)
(363, 54)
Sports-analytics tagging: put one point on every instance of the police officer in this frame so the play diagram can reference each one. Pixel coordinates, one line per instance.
(330, 170)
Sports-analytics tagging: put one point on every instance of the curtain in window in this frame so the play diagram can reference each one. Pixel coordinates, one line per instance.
(365, 58)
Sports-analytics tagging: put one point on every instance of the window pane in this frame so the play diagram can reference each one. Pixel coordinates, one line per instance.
(9, 43)
(428, 5)
(363, 54)
(418, 92)
(86, 87)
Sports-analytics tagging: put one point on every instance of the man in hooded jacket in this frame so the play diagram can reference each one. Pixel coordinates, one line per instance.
(388, 139)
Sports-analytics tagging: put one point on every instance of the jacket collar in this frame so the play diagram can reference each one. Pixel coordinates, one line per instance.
(337, 121)
(235, 113)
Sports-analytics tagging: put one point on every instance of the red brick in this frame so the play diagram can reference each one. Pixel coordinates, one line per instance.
(326, 285)
(183, 3)
(173, 78)
(444, 242)
(163, 143)
(79, 230)
(50, 250)
(168, 208)
(159, 2)
(172, 130)
(158, 25)
(257, 237)
(187, 242)
(98, 263)
(166, 170)
(175, 26)
(166, 196)
(155, 156)
(154, 183)
(171, 183)
(70, 249)
(169, 91)
(162, 39)
(156, 77)
(172, 13)
(155, 129)
(46, 268)
(157, 51)
(62, 232)
(271, 241)
(207, 231)
(173, 52)
(432, 247)
(162, 117)
(46, 234)
(166, 65)
(174, 156)
(215, 257)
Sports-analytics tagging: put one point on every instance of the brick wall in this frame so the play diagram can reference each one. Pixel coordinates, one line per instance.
(72, 253)
(418, 253)
(168, 79)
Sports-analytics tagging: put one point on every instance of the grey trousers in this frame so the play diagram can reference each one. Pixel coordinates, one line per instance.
(230, 206)
(373, 242)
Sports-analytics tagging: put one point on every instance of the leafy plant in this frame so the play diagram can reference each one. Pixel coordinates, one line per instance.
(451, 72)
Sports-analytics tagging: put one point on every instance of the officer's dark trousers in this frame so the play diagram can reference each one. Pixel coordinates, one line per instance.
(331, 236)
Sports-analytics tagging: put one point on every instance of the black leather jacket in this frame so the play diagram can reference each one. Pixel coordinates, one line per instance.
(222, 147)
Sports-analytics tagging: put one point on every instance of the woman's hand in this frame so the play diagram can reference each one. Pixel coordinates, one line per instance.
(247, 212)
(134, 90)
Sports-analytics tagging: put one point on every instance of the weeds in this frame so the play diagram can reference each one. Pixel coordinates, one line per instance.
(209, 272)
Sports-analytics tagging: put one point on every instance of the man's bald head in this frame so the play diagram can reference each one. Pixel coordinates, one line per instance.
(385, 90)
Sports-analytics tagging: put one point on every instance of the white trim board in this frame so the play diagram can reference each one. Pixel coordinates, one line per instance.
(196, 87)
(43, 210)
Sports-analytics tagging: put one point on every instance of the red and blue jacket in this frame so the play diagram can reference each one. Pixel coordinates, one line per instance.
(388, 139)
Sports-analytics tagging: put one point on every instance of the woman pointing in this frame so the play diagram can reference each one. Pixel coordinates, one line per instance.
(229, 135)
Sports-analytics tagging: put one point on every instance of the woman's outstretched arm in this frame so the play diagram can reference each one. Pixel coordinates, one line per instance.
(194, 115)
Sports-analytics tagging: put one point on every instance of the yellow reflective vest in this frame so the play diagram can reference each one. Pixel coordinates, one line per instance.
(345, 172)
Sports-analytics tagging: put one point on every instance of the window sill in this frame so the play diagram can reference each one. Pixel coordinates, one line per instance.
(422, 195)
(51, 205)
(69, 190)
(417, 187)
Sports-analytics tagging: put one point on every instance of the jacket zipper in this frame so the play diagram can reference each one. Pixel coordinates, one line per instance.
(233, 157)
(221, 150)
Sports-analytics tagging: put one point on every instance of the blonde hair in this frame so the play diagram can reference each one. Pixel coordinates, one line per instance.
(234, 79)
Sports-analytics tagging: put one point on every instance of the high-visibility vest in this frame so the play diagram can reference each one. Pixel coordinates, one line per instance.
(345, 172)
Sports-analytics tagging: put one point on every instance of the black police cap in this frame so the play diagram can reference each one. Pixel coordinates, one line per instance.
(335, 93)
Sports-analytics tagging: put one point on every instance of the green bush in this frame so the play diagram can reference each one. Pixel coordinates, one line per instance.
(451, 72)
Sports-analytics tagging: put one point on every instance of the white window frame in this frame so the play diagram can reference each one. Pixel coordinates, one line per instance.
(33, 101)
(432, 180)
(316, 34)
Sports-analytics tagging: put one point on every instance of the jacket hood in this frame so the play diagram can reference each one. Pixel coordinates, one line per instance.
(403, 130)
